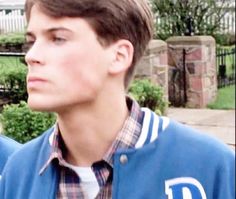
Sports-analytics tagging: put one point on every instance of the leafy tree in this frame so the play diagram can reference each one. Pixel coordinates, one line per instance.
(181, 17)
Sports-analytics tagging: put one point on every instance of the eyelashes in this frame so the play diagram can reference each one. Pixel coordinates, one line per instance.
(58, 40)
(54, 40)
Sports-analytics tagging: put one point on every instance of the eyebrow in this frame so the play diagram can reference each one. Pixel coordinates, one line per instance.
(47, 31)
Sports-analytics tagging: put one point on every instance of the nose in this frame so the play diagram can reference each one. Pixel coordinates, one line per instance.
(34, 55)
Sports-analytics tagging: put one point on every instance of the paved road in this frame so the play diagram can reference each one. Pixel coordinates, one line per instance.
(218, 123)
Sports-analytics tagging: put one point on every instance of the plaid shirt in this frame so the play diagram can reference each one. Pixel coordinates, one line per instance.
(69, 185)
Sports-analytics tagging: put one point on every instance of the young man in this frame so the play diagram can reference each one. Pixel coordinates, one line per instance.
(81, 59)
(7, 147)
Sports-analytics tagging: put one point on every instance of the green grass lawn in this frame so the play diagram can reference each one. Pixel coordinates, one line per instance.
(225, 98)
(10, 61)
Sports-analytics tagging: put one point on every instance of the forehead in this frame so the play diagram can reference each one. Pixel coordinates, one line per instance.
(40, 21)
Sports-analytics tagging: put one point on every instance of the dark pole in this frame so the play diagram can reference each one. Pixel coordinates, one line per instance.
(184, 77)
(189, 25)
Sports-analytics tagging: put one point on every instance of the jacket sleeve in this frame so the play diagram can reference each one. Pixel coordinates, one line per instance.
(225, 177)
(7, 147)
(1, 188)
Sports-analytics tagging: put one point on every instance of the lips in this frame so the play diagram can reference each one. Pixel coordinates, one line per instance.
(34, 82)
(33, 79)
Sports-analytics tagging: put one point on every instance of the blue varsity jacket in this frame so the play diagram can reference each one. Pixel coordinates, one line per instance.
(7, 147)
(170, 161)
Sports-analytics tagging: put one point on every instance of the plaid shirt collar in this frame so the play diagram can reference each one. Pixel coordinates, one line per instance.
(125, 139)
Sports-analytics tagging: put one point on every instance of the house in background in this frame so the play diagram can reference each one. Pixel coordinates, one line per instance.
(229, 20)
(12, 17)
(11, 4)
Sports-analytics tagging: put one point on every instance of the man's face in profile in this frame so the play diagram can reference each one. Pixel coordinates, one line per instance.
(67, 66)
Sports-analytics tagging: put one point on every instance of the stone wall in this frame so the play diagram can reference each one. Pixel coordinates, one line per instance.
(154, 64)
(201, 78)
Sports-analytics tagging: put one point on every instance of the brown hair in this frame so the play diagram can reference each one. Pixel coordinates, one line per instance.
(110, 19)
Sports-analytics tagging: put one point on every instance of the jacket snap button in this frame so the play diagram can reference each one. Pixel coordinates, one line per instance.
(123, 159)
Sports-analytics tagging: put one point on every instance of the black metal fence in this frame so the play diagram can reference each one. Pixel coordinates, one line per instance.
(225, 62)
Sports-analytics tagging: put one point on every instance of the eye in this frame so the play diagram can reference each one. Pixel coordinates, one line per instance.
(58, 40)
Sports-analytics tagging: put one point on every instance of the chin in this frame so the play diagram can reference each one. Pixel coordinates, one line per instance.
(39, 105)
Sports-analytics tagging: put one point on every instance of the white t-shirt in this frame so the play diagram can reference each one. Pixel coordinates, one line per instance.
(88, 182)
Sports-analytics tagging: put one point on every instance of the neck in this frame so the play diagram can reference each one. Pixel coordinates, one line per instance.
(89, 130)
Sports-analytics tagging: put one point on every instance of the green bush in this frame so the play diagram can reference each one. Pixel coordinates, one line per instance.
(149, 95)
(23, 124)
(12, 39)
(13, 78)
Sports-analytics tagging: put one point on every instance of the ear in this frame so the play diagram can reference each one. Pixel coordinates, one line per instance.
(123, 51)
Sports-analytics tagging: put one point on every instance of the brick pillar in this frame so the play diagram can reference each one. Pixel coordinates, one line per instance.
(154, 64)
(201, 74)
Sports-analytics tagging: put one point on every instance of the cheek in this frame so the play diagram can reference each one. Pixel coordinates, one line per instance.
(74, 72)
(68, 67)
(82, 69)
